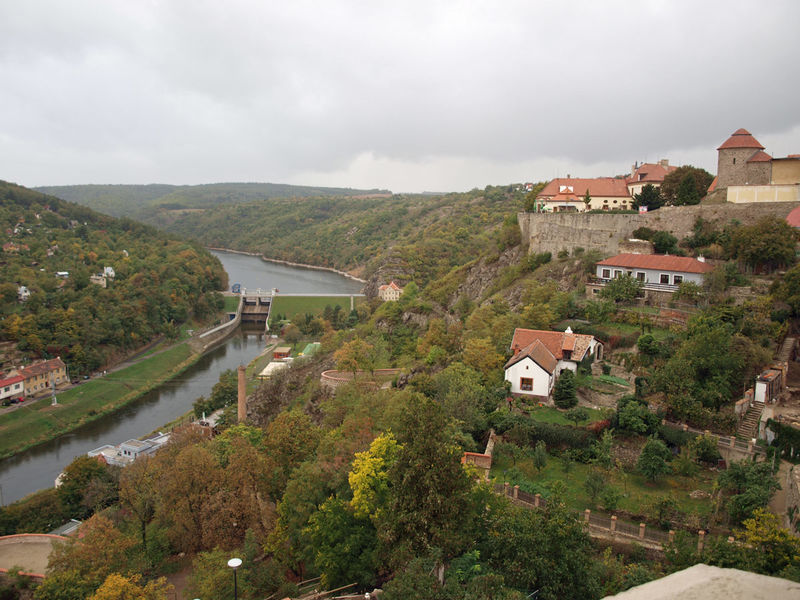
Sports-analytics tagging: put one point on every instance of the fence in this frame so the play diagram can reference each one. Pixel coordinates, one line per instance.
(599, 525)
(723, 441)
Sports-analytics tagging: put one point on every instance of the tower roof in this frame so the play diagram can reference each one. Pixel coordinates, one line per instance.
(741, 138)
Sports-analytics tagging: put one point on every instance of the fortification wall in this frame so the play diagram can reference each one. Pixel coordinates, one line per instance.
(553, 232)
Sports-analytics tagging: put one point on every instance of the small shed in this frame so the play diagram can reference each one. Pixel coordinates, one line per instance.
(281, 352)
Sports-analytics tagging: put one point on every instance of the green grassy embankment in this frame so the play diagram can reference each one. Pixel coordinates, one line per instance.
(36, 421)
(292, 305)
(231, 304)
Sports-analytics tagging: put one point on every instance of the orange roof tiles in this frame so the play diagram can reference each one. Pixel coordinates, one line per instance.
(651, 173)
(793, 218)
(554, 341)
(658, 262)
(538, 353)
(760, 156)
(741, 138)
(600, 186)
(42, 368)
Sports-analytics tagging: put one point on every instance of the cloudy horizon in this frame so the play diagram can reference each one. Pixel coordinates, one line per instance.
(415, 96)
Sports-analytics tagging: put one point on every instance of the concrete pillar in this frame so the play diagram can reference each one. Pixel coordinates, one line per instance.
(671, 536)
(733, 442)
(701, 540)
(613, 523)
(750, 445)
(537, 500)
(241, 412)
(642, 527)
(516, 492)
(586, 514)
(506, 487)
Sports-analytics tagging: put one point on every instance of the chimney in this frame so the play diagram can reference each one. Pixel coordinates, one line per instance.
(242, 396)
(516, 349)
(664, 162)
(633, 169)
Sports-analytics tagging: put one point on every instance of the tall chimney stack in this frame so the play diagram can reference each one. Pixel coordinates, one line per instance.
(242, 396)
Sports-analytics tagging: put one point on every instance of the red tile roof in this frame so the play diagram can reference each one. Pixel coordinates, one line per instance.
(741, 138)
(658, 262)
(760, 156)
(538, 353)
(713, 185)
(11, 380)
(651, 173)
(793, 218)
(556, 342)
(42, 368)
(392, 286)
(600, 186)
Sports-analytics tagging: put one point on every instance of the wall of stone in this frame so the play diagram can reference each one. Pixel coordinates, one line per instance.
(552, 232)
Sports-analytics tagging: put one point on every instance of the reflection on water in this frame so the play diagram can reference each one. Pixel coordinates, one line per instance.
(38, 467)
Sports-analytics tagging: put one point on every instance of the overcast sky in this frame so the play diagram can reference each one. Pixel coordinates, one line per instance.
(407, 95)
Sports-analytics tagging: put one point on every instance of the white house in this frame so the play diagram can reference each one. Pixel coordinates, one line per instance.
(390, 292)
(12, 387)
(109, 272)
(23, 293)
(659, 270)
(540, 357)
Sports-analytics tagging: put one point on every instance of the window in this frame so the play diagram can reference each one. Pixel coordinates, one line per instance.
(617, 273)
(677, 279)
(605, 274)
(595, 291)
(640, 275)
(664, 278)
(526, 384)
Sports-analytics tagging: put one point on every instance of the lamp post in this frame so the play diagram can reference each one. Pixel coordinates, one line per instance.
(234, 564)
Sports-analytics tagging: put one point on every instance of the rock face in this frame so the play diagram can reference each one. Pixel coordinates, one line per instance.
(553, 232)
(481, 276)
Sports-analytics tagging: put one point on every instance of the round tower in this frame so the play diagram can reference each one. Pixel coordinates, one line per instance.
(732, 157)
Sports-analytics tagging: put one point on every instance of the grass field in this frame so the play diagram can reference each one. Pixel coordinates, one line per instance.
(638, 494)
(36, 420)
(231, 303)
(292, 305)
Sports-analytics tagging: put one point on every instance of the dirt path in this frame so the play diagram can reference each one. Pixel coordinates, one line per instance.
(778, 502)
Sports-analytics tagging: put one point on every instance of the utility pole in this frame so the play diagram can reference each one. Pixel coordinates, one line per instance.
(53, 388)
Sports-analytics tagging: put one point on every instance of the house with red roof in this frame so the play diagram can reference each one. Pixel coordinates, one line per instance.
(655, 271)
(568, 194)
(390, 292)
(648, 173)
(12, 387)
(540, 356)
(38, 377)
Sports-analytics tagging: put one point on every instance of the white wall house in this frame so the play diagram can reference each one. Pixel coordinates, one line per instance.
(654, 269)
(12, 387)
(539, 357)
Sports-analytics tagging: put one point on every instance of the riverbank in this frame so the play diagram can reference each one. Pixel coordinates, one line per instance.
(37, 421)
(289, 263)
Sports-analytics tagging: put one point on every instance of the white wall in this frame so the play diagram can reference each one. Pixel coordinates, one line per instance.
(650, 275)
(542, 380)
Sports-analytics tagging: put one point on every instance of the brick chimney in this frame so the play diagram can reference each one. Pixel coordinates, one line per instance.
(516, 349)
(242, 396)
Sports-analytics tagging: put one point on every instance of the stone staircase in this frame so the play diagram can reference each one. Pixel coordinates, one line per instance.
(748, 428)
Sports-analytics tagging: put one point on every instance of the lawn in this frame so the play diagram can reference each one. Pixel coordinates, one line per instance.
(37, 421)
(638, 494)
(231, 304)
(292, 305)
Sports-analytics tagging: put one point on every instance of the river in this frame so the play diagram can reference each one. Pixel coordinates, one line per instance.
(37, 468)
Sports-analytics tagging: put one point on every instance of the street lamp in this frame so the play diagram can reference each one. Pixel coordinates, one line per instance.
(234, 564)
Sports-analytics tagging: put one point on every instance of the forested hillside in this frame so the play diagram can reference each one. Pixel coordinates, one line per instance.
(139, 201)
(158, 283)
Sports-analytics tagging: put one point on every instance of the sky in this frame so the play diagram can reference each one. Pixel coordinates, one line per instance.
(407, 95)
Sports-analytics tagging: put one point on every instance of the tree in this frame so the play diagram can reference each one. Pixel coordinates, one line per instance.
(594, 484)
(649, 197)
(564, 395)
(602, 450)
(669, 187)
(767, 245)
(665, 243)
(633, 415)
(624, 288)
(577, 414)
(353, 356)
(587, 199)
(479, 353)
(540, 455)
(82, 475)
(119, 587)
(138, 493)
(652, 462)
(369, 477)
(687, 193)
(749, 486)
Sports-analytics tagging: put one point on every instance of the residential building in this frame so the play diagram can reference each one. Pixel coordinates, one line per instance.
(568, 194)
(654, 270)
(648, 173)
(23, 293)
(12, 387)
(38, 376)
(390, 292)
(540, 356)
(98, 279)
(109, 272)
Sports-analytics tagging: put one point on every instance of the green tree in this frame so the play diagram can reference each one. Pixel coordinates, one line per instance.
(767, 245)
(665, 243)
(353, 356)
(564, 395)
(624, 288)
(587, 199)
(749, 486)
(577, 414)
(649, 197)
(652, 462)
(669, 187)
(687, 192)
(594, 484)
(540, 455)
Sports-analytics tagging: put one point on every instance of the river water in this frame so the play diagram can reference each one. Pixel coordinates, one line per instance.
(38, 467)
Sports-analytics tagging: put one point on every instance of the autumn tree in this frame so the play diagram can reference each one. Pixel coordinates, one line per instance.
(138, 493)
(119, 587)
(353, 356)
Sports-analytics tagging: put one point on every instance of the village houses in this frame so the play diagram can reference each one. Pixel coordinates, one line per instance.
(390, 292)
(38, 377)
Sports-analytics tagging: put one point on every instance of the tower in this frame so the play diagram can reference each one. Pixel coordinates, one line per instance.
(732, 158)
